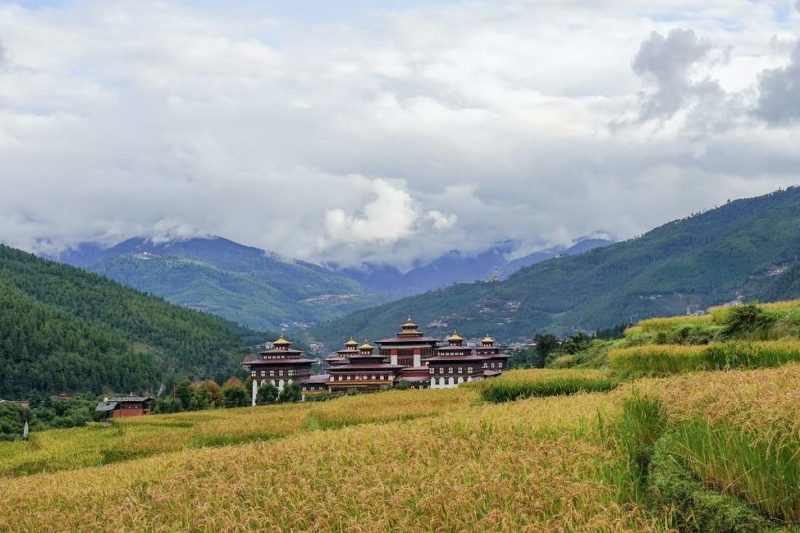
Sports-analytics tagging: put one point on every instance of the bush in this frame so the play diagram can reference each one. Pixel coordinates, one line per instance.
(267, 394)
(291, 393)
(747, 320)
(235, 395)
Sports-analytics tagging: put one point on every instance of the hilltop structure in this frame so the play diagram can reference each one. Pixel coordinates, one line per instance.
(409, 358)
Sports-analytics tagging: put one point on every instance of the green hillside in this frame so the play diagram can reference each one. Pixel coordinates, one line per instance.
(744, 249)
(239, 283)
(66, 330)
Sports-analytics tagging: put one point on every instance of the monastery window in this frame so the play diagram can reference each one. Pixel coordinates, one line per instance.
(449, 369)
(291, 372)
(485, 365)
(469, 370)
(500, 365)
(433, 370)
(253, 373)
(461, 370)
(441, 370)
(272, 373)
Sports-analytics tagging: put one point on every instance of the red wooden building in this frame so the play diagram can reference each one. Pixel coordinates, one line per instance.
(279, 366)
(125, 406)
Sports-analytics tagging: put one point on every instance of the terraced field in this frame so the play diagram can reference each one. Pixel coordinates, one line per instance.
(538, 450)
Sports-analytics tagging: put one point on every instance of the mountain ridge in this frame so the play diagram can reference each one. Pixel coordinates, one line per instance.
(64, 329)
(684, 265)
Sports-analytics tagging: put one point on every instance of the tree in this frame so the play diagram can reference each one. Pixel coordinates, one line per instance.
(577, 342)
(234, 395)
(166, 404)
(184, 395)
(291, 393)
(546, 343)
(267, 394)
(201, 398)
(215, 392)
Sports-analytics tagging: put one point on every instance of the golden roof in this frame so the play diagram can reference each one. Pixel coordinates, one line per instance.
(487, 340)
(351, 343)
(409, 324)
(281, 342)
(365, 346)
(455, 337)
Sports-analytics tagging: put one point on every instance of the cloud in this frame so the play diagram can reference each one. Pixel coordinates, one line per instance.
(386, 135)
(668, 62)
(779, 92)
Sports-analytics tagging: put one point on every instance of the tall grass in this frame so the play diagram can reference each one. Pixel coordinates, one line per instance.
(655, 359)
(738, 432)
(520, 384)
(765, 474)
(651, 325)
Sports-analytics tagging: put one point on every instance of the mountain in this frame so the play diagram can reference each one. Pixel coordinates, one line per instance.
(747, 249)
(239, 283)
(456, 267)
(581, 246)
(63, 329)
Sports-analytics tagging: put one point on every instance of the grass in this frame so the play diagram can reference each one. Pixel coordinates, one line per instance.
(665, 359)
(521, 384)
(738, 432)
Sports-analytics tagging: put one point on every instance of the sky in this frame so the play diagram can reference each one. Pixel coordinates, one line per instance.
(366, 131)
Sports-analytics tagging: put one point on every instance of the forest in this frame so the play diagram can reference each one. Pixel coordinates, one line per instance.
(64, 330)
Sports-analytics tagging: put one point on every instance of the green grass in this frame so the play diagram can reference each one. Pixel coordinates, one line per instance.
(667, 359)
(522, 384)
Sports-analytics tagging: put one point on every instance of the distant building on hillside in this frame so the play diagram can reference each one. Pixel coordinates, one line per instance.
(125, 406)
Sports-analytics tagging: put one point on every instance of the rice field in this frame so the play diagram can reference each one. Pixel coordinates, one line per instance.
(534, 465)
(665, 359)
(575, 451)
(133, 438)
(520, 384)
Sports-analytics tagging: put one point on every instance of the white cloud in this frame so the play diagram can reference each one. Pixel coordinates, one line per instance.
(393, 136)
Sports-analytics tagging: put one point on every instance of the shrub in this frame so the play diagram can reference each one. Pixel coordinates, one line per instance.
(291, 393)
(267, 394)
(234, 395)
(747, 320)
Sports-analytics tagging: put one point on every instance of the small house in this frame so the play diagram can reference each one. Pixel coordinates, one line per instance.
(125, 406)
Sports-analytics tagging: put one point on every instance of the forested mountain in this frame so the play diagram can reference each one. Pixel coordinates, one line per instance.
(239, 283)
(66, 330)
(746, 249)
(456, 267)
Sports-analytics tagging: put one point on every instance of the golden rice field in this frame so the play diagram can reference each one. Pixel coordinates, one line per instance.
(664, 359)
(139, 437)
(434, 460)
